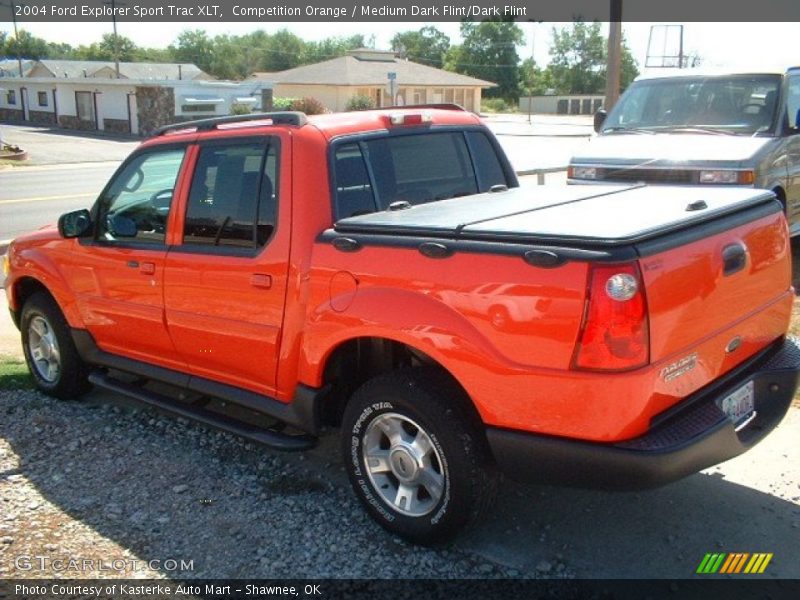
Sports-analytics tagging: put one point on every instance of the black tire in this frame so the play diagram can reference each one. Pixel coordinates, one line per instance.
(458, 460)
(70, 380)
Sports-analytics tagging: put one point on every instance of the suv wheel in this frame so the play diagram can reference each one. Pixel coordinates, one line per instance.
(416, 460)
(49, 350)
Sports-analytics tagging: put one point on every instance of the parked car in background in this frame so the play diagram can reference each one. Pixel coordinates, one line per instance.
(686, 126)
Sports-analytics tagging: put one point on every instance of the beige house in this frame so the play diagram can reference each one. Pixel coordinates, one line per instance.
(382, 76)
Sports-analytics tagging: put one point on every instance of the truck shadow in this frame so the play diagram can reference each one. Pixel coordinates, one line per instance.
(163, 489)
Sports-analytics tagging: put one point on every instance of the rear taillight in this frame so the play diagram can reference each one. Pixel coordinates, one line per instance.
(615, 331)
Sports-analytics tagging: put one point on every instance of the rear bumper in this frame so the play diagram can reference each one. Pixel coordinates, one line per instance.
(688, 439)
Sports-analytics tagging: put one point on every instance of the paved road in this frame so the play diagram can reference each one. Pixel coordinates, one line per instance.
(46, 146)
(34, 196)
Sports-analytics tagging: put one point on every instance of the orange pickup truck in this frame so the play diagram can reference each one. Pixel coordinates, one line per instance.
(382, 273)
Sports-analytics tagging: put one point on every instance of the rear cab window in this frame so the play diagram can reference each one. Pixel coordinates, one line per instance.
(373, 173)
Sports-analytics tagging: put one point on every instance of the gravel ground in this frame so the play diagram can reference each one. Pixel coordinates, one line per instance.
(98, 481)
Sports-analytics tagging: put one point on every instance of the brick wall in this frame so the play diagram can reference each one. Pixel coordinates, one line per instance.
(70, 122)
(40, 116)
(116, 126)
(10, 114)
(155, 107)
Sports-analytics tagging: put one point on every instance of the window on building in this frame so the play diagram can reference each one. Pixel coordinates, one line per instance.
(42, 98)
(419, 96)
(199, 108)
(11, 96)
(84, 105)
(233, 201)
(449, 95)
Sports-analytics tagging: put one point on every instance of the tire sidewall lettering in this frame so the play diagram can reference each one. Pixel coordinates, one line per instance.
(365, 486)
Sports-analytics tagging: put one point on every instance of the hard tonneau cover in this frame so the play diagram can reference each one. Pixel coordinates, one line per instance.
(591, 215)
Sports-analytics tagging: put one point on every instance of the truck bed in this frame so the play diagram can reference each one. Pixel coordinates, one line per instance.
(584, 215)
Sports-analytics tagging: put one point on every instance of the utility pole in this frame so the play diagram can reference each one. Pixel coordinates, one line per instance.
(16, 37)
(113, 4)
(614, 58)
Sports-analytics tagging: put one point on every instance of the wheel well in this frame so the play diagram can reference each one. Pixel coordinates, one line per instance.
(24, 289)
(356, 361)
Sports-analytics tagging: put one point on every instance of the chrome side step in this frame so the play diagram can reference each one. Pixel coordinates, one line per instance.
(273, 439)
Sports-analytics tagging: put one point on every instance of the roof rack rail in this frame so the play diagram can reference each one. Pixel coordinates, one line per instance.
(440, 106)
(278, 118)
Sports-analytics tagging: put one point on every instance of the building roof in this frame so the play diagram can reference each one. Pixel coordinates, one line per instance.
(10, 67)
(367, 67)
(127, 70)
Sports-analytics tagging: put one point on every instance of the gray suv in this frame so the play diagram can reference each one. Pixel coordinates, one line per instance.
(702, 128)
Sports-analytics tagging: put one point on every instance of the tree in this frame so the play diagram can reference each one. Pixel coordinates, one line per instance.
(334, 47)
(577, 64)
(578, 60)
(282, 50)
(489, 52)
(427, 45)
(194, 46)
(26, 46)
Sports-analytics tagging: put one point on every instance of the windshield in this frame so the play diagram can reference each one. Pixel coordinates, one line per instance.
(737, 104)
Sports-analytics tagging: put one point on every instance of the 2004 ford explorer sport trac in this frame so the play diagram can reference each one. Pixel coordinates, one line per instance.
(382, 272)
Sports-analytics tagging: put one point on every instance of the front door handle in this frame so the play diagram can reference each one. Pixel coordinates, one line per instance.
(148, 268)
(261, 280)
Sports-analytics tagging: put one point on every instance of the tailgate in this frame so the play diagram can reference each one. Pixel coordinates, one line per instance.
(707, 287)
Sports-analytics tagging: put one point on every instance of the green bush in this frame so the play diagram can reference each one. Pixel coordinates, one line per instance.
(308, 105)
(360, 103)
(238, 108)
(494, 105)
(283, 103)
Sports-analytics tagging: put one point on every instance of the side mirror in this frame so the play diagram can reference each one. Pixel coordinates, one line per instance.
(74, 224)
(599, 119)
(120, 226)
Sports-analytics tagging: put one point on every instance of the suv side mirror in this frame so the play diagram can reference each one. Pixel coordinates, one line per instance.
(74, 224)
(599, 119)
(120, 226)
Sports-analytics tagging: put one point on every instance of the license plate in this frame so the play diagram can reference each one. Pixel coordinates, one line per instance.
(738, 405)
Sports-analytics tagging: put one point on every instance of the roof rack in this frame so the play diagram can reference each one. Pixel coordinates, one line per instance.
(440, 106)
(278, 118)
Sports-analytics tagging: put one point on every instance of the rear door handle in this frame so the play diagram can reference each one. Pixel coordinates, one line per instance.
(734, 258)
(146, 268)
(261, 280)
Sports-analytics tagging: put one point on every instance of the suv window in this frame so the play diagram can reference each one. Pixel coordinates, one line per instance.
(741, 104)
(137, 203)
(793, 101)
(417, 168)
(233, 198)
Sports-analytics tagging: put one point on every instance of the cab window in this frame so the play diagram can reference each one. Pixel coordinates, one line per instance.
(233, 197)
(793, 102)
(136, 205)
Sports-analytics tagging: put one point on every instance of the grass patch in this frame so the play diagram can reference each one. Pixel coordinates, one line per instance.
(14, 374)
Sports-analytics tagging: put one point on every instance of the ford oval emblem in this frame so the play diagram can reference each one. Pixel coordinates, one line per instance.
(733, 345)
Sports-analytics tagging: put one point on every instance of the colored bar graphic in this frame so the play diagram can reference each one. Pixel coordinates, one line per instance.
(734, 562)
